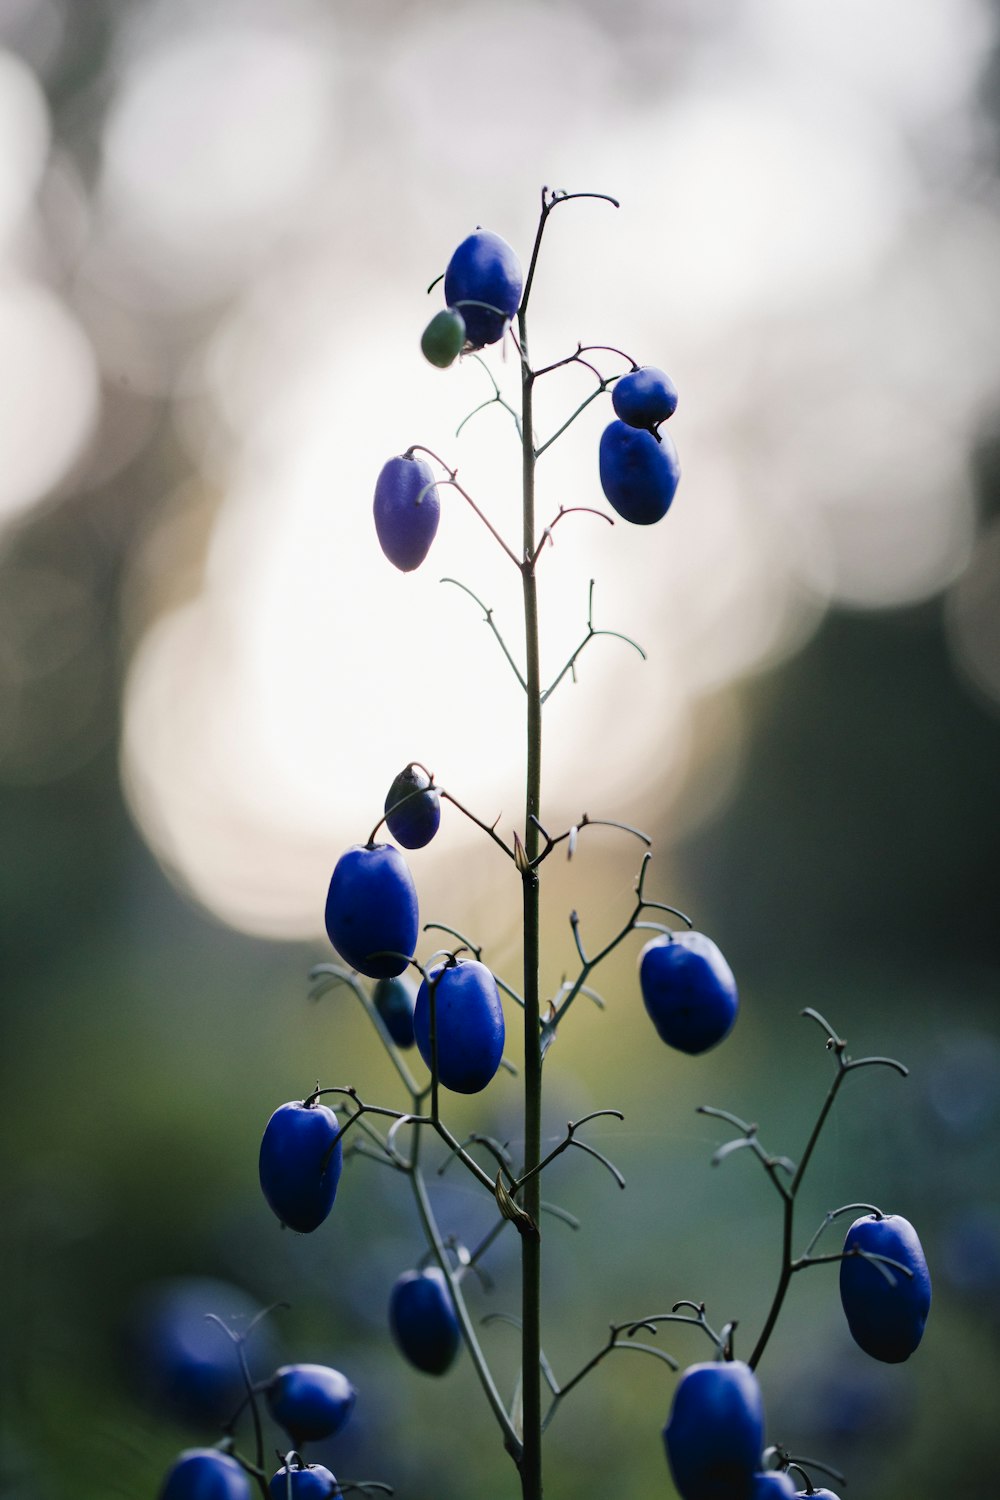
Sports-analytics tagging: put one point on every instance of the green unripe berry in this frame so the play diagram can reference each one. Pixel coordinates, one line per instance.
(443, 337)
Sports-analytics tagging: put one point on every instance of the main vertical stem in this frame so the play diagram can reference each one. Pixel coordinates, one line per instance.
(531, 1256)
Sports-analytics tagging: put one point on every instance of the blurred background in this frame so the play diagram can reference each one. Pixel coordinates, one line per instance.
(217, 224)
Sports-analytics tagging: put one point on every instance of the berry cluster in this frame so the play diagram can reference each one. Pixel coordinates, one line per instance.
(455, 1022)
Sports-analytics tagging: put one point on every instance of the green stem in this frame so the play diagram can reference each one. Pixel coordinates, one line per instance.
(788, 1195)
(433, 1236)
(531, 1455)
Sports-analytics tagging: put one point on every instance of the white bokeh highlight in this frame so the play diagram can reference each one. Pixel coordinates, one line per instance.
(801, 244)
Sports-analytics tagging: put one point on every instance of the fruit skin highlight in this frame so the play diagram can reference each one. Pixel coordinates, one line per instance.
(885, 1318)
(639, 473)
(484, 269)
(372, 918)
(688, 990)
(407, 510)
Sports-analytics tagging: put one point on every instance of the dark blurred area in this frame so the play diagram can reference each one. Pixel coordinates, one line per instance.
(854, 867)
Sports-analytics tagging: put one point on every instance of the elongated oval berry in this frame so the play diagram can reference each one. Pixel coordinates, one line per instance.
(886, 1317)
(308, 1482)
(639, 473)
(688, 990)
(300, 1164)
(443, 337)
(715, 1432)
(422, 1320)
(393, 999)
(310, 1401)
(205, 1474)
(412, 808)
(483, 281)
(469, 1025)
(407, 511)
(371, 910)
(645, 397)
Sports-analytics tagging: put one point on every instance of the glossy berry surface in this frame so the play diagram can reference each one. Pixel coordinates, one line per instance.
(310, 1401)
(715, 1432)
(484, 269)
(639, 474)
(393, 999)
(885, 1318)
(412, 808)
(443, 337)
(371, 910)
(298, 1171)
(688, 990)
(644, 398)
(406, 510)
(469, 1025)
(816, 1495)
(310, 1482)
(205, 1474)
(774, 1485)
(422, 1320)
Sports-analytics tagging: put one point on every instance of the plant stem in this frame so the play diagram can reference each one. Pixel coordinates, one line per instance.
(433, 1237)
(531, 1455)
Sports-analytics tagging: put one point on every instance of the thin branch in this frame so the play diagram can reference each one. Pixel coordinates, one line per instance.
(570, 666)
(452, 481)
(488, 614)
(572, 1127)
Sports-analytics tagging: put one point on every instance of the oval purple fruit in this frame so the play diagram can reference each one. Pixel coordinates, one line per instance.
(639, 473)
(886, 1308)
(423, 1321)
(645, 397)
(469, 1025)
(371, 910)
(688, 990)
(310, 1401)
(300, 1164)
(205, 1474)
(412, 808)
(303, 1482)
(407, 510)
(715, 1432)
(483, 281)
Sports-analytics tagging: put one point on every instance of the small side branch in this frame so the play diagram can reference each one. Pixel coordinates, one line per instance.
(497, 399)
(570, 1140)
(588, 965)
(571, 835)
(614, 1341)
(452, 480)
(838, 1046)
(771, 1164)
(488, 616)
(570, 666)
